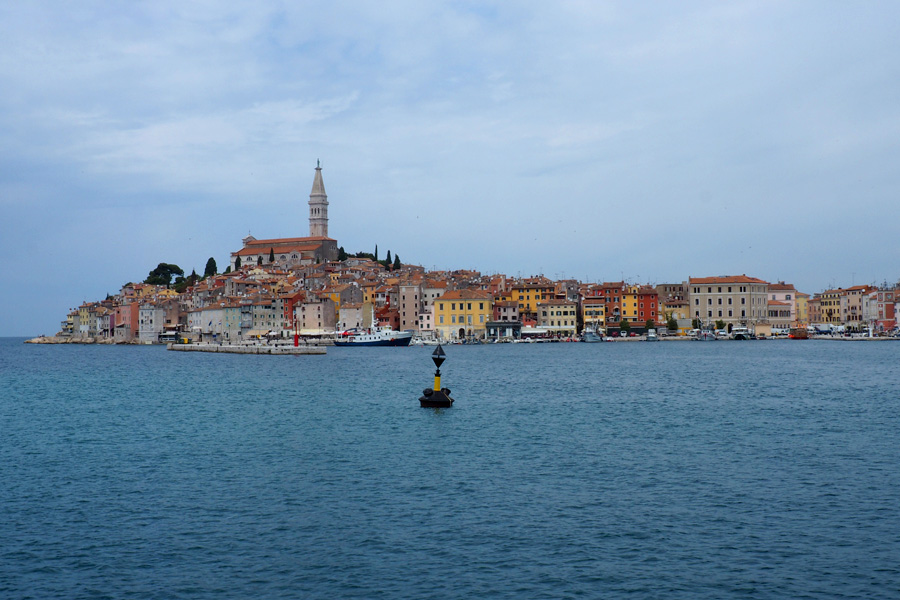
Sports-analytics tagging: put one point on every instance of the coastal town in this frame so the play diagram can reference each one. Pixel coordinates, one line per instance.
(309, 288)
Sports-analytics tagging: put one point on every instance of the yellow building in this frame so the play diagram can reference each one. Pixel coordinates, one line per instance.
(593, 313)
(802, 301)
(529, 295)
(830, 301)
(459, 314)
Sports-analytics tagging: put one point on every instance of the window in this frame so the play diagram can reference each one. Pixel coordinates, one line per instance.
(453, 318)
(440, 306)
(453, 306)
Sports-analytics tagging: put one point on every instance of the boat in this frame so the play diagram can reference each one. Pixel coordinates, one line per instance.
(740, 333)
(374, 336)
(591, 336)
(798, 333)
(704, 335)
(651, 335)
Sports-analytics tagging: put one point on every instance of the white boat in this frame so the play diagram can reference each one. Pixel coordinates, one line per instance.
(704, 335)
(651, 335)
(740, 333)
(591, 336)
(374, 336)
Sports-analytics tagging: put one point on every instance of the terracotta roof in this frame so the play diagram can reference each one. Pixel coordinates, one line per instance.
(298, 240)
(724, 279)
(466, 295)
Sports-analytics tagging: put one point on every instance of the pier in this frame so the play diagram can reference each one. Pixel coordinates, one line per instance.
(282, 350)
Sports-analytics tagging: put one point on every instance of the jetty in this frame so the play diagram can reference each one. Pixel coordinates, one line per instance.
(277, 350)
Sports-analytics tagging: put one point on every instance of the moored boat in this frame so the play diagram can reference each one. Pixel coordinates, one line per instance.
(798, 333)
(375, 336)
(740, 333)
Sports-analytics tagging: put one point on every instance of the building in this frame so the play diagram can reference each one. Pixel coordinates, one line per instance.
(852, 305)
(593, 314)
(292, 252)
(460, 314)
(785, 293)
(734, 299)
(558, 317)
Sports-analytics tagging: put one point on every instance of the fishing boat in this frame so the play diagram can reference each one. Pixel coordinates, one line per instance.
(374, 336)
(651, 335)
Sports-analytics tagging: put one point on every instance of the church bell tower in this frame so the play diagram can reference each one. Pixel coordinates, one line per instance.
(318, 206)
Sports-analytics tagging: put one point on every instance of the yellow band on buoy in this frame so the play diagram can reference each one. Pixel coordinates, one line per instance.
(437, 383)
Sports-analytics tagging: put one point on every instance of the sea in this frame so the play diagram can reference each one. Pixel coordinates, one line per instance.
(757, 469)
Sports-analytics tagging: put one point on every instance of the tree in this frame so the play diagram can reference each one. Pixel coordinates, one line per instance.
(259, 261)
(696, 324)
(720, 324)
(271, 255)
(376, 252)
(237, 263)
(671, 322)
(624, 326)
(211, 268)
(342, 254)
(227, 269)
(162, 274)
(388, 260)
(649, 324)
(397, 263)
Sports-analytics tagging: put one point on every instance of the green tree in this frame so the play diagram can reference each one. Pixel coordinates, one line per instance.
(649, 324)
(259, 261)
(696, 323)
(720, 324)
(376, 253)
(227, 270)
(397, 263)
(624, 326)
(271, 255)
(162, 274)
(388, 260)
(342, 254)
(671, 322)
(211, 268)
(237, 263)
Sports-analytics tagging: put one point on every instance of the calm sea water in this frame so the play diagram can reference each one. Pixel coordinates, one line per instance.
(671, 470)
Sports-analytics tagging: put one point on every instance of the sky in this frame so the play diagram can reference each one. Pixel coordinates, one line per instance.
(600, 141)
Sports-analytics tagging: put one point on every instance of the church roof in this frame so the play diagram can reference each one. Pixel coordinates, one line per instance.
(288, 241)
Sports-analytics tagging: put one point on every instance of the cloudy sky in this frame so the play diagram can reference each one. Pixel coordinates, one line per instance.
(650, 141)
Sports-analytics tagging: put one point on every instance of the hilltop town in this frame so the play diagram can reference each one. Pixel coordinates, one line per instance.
(276, 288)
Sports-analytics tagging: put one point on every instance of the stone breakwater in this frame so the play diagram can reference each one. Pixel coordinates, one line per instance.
(282, 350)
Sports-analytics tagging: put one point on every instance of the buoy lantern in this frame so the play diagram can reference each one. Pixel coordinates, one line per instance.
(437, 397)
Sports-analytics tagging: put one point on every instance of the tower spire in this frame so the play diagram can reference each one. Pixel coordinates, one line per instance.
(318, 206)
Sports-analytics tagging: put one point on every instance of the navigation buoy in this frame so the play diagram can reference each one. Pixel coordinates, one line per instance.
(437, 397)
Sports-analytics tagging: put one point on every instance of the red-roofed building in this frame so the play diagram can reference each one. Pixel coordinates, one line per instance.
(734, 299)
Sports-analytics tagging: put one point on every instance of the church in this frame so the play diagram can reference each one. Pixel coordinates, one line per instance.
(292, 252)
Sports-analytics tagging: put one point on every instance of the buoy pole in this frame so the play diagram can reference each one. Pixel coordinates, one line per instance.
(437, 379)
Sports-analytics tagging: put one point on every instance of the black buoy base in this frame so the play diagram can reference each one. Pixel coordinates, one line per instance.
(436, 399)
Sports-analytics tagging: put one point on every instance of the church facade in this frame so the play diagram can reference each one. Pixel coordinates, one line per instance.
(292, 252)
